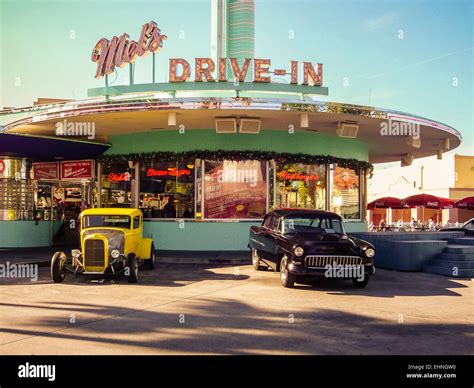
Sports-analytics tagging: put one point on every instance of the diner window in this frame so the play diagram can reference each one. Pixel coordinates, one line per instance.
(301, 186)
(167, 189)
(235, 189)
(116, 184)
(345, 196)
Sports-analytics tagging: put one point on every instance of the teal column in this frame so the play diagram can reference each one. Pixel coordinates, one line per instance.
(240, 32)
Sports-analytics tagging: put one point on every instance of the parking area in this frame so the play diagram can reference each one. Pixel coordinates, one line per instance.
(215, 309)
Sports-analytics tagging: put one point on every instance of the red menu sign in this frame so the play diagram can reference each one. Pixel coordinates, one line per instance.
(46, 171)
(77, 169)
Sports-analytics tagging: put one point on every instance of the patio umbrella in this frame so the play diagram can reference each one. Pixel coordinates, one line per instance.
(428, 201)
(385, 203)
(465, 203)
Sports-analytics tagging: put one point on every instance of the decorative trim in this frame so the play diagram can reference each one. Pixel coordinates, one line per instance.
(279, 158)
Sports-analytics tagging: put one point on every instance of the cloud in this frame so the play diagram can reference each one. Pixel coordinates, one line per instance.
(379, 22)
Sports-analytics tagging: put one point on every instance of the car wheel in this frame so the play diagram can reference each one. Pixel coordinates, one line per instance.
(58, 267)
(150, 263)
(360, 283)
(131, 269)
(287, 279)
(256, 260)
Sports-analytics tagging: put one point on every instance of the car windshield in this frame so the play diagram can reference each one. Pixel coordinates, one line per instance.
(312, 224)
(108, 221)
(469, 225)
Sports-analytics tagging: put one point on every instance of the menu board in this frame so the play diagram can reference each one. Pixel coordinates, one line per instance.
(46, 170)
(235, 190)
(77, 169)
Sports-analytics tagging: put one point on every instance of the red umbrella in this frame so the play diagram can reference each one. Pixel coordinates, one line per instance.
(429, 201)
(465, 203)
(385, 203)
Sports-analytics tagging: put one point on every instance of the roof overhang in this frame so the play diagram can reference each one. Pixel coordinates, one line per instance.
(141, 113)
(40, 148)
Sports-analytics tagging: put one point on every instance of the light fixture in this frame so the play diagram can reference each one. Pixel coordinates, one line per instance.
(226, 125)
(171, 119)
(190, 166)
(248, 125)
(304, 120)
(446, 144)
(347, 129)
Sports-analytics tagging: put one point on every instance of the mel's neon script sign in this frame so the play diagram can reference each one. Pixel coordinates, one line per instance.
(120, 51)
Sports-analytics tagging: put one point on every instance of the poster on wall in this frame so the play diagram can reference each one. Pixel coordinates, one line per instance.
(46, 171)
(77, 169)
(235, 190)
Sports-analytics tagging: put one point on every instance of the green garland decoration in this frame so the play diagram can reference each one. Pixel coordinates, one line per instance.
(279, 158)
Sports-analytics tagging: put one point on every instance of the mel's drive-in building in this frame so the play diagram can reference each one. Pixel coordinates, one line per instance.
(205, 155)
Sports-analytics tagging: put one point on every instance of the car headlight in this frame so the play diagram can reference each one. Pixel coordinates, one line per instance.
(75, 253)
(115, 254)
(298, 251)
(369, 252)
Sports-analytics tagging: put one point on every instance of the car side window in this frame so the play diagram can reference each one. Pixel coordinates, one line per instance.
(274, 224)
(136, 222)
(267, 222)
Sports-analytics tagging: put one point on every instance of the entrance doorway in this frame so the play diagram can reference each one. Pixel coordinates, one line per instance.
(64, 201)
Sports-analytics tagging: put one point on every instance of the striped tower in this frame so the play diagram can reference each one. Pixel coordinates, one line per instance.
(233, 31)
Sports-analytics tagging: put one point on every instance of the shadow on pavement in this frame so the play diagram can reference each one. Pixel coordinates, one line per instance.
(233, 327)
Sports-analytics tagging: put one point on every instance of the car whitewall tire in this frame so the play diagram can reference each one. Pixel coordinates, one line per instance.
(256, 260)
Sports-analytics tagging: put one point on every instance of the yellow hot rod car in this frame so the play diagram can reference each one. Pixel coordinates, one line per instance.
(112, 243)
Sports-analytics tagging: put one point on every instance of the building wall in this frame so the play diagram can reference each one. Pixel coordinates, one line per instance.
(464, 172)
(209, 235)
(26, 234)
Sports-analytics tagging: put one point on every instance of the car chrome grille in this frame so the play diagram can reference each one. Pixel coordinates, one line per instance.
(322, 261)
(94, 253)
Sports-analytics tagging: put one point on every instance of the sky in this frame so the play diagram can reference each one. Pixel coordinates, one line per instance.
(412, 56)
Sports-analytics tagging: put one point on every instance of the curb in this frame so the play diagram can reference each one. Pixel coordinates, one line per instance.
(165, 260)
(187, 260)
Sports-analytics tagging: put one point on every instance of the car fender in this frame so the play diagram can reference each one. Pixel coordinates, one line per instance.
(144, 248)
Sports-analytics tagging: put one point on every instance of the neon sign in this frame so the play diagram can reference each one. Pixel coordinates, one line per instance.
(122, 177)
(296, 176)
(180, 70)
(154, 172)
(120, 51)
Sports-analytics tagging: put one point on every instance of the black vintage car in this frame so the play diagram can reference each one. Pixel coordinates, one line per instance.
(306, 244)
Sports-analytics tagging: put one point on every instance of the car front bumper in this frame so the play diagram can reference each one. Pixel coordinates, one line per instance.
(322, 272)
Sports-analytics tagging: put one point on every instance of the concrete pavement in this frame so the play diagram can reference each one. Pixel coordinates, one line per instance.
(196, 309)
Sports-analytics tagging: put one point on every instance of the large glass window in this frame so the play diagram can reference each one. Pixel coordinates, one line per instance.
(116, 185)
(167, 189)
(301, 186)
(345, 192)
(235, 189)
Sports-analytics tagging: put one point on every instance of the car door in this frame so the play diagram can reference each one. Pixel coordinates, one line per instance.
(261, 239)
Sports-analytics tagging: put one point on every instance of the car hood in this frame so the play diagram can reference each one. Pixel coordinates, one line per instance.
(321, 243)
